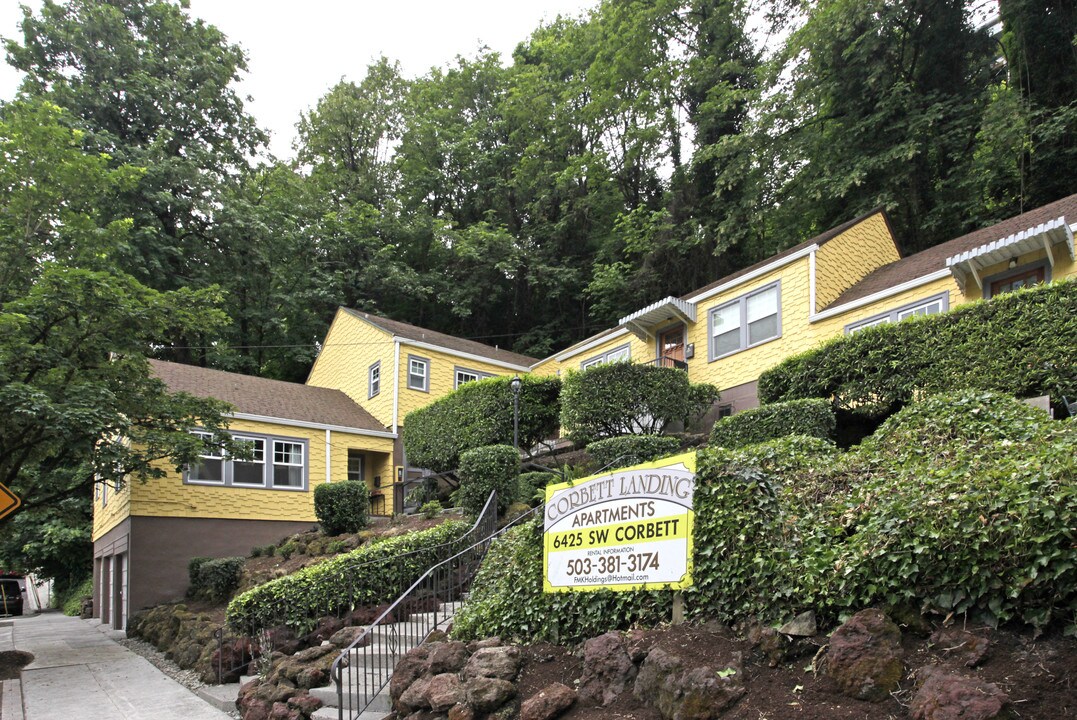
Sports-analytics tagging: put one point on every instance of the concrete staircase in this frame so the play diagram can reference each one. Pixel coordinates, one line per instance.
(374, 664)
(370, 665)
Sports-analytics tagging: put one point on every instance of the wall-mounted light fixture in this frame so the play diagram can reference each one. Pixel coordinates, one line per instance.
(1013, 263)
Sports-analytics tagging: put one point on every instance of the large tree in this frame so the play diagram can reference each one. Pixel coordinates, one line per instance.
(81, 407)
(154, 89)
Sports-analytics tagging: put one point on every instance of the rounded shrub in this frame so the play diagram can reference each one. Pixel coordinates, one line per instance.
(631, 450)
(485, 469)
(813, 417)
(629, 399)
(342, 507)
(532, 487)
(478, 414)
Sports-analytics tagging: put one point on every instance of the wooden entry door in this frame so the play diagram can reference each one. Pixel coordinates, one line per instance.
(671, 347)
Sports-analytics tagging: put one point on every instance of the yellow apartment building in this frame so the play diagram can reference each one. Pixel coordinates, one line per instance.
(301, 436)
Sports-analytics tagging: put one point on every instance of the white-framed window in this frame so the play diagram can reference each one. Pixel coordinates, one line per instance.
(751, 319)
(374, 380)
(289, 463)
(356, 463)
(622, 353)
(285, 469)
(252, 472)
(418, 373)
(927, 306)
(464, 375)
(209, 468)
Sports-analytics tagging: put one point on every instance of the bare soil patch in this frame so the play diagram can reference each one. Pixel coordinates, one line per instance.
(12, 662)
(1038, 674)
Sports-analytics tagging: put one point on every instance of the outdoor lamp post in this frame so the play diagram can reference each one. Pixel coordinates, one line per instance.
(515, 384)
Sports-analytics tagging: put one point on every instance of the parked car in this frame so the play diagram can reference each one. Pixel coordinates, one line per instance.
(10, 597)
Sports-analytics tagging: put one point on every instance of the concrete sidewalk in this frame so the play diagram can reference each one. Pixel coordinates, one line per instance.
(80, 674)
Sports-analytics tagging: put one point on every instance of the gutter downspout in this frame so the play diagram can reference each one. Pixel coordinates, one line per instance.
(328, 462)
(396, 385)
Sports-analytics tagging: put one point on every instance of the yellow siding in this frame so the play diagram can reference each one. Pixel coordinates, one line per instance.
(845, 259)
(549, 366)
(1064, 269)
(442, 376)
(113, 513)
(351, 347)
(639, 351)
(170, 497)
(746, 365)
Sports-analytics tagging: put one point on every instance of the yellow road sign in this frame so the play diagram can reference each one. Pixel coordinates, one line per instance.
(9, 502)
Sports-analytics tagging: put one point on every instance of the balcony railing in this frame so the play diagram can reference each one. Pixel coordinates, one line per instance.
(667, 361)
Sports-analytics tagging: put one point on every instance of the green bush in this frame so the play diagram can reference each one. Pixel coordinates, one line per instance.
(478, 414)
(214, 579)
(532, 486)
(483, 470)
(372, 574)
(629, 399)
(1019, 343)
(506, 599)
(631, 450)
(431, 510)
(813, 417)
(70, 602)
(342, 507)
(288, 549)
(193, 566)
(964, 503)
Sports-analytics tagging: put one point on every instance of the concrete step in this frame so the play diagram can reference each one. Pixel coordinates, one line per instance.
(222, 697)
(330, 713)
(328, 696)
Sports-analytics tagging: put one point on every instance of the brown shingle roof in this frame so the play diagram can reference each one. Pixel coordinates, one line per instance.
(261, 396)
(449, 342)
(818, 239)
(932, 259)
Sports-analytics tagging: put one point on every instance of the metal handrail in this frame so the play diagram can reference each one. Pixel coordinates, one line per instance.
(439, 552)
(667, 361)
(445, 582)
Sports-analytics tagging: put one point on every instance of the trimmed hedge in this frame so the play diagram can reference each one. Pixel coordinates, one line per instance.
(342, 507)
(478, 414)
(631, 450)
(1020, 343)
(214, 579)
(625, 398)
(496, 467)
(372, 574)
(962, 503)
(812, 417)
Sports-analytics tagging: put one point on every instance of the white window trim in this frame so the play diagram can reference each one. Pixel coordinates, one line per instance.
(425, 387)
(230, 470)
(742, 303)
(302, 464)
(476, 375)
(373, 378)
(205, 436)
(227, 472)
(362, 466)
(604, 358)
(891, 316)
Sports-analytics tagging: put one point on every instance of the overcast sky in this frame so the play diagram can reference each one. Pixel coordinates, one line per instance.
(297, 49)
